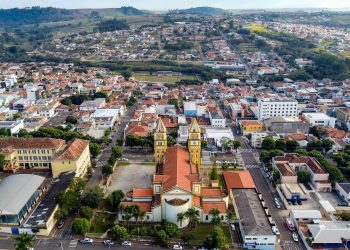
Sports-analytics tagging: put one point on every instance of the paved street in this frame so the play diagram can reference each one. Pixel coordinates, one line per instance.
(249, 157)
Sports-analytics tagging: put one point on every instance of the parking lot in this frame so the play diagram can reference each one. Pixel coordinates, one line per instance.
(129, 176)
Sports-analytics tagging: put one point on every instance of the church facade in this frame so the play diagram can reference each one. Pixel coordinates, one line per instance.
(177, 184)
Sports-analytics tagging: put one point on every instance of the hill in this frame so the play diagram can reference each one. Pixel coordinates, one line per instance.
(16, 17)
(204, 11)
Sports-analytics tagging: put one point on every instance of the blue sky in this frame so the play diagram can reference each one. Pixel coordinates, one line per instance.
(172, 4)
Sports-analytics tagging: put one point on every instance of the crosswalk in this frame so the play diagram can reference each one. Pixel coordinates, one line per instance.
(102, 163)
(73, 244)
(251, 166)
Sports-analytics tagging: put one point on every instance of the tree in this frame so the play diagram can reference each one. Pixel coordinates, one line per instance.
(131, 101)
(265, 156)
(280, 144)
(275, 174)
(2, 161)
(171, 229)
(17, 116)
(192, 215)
(117, 151)
(291, 145)
(230, 216)
(114, 199)
(214, 175)
(107, 170)
(81, 226)
(180, 218)
(93, 197)
(68, 201)
(236, 144)
(216, 239)
(86, 212)
(95, 149)
(112, 160)
(71, 119)
(344, 215)
(162, 237)
(268, 143)
(23, 133)
(301, 152)
(127, 74)
(77, 184)
(174, 102)
(215, 213)
(24, 241)
(303, 175)
(119, 233)
(170, 141)
(327, 144)
(318, 131)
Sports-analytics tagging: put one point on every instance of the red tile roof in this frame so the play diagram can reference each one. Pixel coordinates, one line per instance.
(176, 170)
(31, 143)
(142, 192)
(144, 206)
(238, 179)
(208, 205)
(73, 150)
(211, 192)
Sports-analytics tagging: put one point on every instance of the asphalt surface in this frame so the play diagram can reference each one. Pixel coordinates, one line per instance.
(249, 157)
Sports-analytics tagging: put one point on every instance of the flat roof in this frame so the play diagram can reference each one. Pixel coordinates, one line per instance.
(47, 205)
(16, 190)
(317, 115)
(251, 213)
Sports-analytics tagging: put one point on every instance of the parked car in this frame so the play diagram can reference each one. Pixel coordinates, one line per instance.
(86, 241)
(202, 248)
(126, 243)
(275, 230)
(177, 247)
(342, 204)
(300, 202)
(295, 237)
(108, 243)
(60, 225)
(278, 205)
(233, 228)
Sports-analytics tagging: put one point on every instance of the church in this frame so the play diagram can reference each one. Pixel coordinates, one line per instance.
(177, 184)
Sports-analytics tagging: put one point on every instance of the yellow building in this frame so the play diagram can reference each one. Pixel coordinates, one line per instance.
(194, 143)
(160, 142)
(45, 153)
(253, 126)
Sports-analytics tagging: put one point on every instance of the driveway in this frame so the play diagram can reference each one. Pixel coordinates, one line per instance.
(130, 176)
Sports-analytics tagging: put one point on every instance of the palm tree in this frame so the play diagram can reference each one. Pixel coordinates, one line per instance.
(192, 215)
(142, 215)
(229, 216)
(180, 218)
(24, 241)
(215, 213)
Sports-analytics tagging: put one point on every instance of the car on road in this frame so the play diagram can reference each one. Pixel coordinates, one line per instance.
(126, 243)
(108, 242)
(275, 230)
(86, 241)
(233, 228)
(60, 225)
(300, 202)
(295, 237)
(177, 247)
(342, 204)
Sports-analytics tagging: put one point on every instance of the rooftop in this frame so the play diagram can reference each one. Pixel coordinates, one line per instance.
(251, 213)
(73, 150)
(16, 190)
(31, 143)
(238, 179)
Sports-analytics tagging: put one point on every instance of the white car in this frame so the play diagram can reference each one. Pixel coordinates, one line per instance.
(295, 237)
(126, 243)
(86, 241)
(233, 228)
(108, 243)
(177, 247)
(275, 230)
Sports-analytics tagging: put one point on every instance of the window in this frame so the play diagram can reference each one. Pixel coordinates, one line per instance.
(206, 217)
(20, 158)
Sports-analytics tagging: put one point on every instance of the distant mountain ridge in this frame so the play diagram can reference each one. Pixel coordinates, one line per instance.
(130, 11)
(204, 11)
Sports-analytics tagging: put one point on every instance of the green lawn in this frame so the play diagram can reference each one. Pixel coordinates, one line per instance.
(203, 230)
(101, 222)
(145, 76)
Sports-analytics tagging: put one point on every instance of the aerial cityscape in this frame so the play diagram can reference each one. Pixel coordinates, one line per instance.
(175, 125)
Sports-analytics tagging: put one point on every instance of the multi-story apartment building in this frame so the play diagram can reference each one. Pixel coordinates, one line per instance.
(272, 107)
(343, 116)
(47, 153)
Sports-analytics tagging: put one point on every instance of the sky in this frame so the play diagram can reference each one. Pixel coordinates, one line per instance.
(179, 4)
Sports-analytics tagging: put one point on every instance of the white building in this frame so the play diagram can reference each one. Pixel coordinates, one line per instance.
(105, 118)
(33, 93)
(13, 126)
(217, 134)
(258, 137)
(217, 119)
(319, 119)
(272, 107)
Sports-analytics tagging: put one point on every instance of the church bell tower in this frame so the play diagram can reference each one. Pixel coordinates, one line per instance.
(160, 142)
(194, 143)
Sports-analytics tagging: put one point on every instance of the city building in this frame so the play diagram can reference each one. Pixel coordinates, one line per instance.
(257, 138)
(343, 116)
(272, 107)
(46, 153)
(12, 127)
(217, 119)
(251, 126)
(18, 194)
(255, 228)
(319, 119)
(105, 118)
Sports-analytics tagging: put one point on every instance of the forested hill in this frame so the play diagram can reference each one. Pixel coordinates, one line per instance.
(204, 11)
(34, 15)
